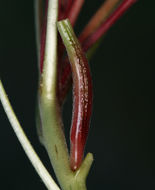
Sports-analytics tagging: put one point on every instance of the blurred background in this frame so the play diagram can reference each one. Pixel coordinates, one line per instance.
(122, 128)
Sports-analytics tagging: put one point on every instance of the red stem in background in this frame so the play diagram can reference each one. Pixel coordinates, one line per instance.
(68, 5)
(64, 6)
(60, 11)
(124, 6)
(43, 38)
(71, 11)
(64, 70)
(65, 80)
(74, 11)
(99, 17)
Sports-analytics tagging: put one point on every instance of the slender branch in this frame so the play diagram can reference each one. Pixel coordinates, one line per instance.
(53, 134)
(124, 6)
(50, 58)
(30, 152)
(54, 139)
(100, 16)
(64, 8)
(49, 110)
(74, 11)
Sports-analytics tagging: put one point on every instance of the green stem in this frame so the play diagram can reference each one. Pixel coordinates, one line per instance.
(49, 78)
(55, 144)
(33, 157)
(52, 127)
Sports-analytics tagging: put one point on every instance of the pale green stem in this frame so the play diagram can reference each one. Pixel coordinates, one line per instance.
(53, 135)
(50, 58)
(52, 127)
(30, 152)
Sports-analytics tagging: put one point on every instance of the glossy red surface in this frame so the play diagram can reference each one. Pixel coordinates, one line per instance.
(82, 107)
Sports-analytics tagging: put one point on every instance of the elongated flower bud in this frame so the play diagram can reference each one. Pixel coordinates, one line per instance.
(82, 93)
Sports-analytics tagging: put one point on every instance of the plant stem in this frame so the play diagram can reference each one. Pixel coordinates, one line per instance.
(54, 139)
(122, 8)
(74, 11)
(99, 17)
(33, 157)
(56, 147)
(50, 58)
(53, 134)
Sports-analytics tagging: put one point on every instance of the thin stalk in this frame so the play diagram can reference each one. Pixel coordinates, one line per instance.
(48, 82)
(68, 5)
(53, 135)
(50, 114)
(64, 7)
(124, 6)
(74, 11)
(30, 152)
(100, 16)
(52, 127)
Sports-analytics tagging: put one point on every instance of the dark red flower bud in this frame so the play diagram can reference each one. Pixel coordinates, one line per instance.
(82, 93)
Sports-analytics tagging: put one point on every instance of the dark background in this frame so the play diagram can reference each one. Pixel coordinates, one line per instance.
(122, 128)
